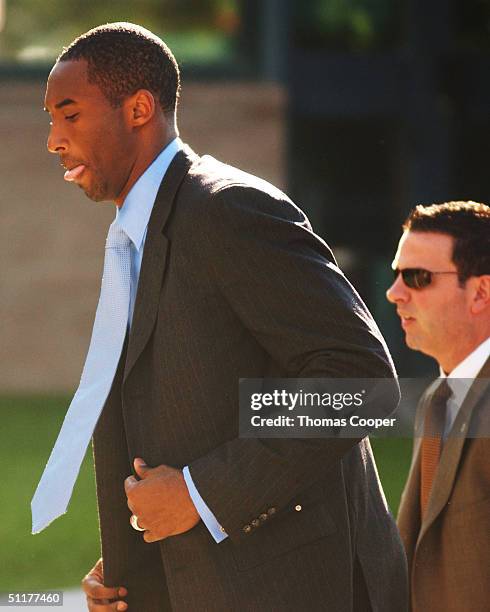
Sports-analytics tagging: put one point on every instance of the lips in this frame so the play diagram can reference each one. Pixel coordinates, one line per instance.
(406, 320)
(74, 173)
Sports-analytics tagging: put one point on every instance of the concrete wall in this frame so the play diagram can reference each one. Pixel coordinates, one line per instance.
(52, 236)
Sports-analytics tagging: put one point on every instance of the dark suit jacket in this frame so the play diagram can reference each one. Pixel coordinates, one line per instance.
(235, 284)
(449, 552)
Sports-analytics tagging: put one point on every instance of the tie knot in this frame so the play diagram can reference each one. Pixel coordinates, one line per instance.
(117, 237)
(435, 415)
(442, 393)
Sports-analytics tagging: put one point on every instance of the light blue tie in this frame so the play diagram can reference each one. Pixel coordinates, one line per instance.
(54, 490)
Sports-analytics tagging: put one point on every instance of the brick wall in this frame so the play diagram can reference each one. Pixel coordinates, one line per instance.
(52, 236)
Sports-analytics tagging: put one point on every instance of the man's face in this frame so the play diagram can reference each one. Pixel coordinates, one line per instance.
(434, 318)
(91, 137)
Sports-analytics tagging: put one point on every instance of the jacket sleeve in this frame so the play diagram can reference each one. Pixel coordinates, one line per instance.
(284, 285)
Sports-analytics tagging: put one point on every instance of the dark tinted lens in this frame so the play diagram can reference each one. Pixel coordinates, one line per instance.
(415, 278)
(420, 278)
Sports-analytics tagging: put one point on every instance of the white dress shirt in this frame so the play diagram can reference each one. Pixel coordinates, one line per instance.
(133, 217)
(460, 380)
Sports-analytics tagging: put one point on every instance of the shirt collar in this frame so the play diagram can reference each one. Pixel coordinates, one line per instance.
(463, 374)
(134, 214)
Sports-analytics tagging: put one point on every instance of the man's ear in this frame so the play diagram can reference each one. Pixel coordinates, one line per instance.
(480, 299)
(140, 107)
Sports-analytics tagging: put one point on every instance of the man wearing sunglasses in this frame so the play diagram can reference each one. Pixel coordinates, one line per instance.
(442, 295)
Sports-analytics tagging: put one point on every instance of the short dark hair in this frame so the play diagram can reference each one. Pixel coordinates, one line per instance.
(124, 57)
(468, 223)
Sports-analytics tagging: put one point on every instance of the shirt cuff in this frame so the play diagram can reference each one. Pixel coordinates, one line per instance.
(208, 518)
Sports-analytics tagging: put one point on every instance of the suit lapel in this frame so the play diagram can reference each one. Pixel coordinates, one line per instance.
(451, 453)
(154, 258)
(408, 519)
(409, 511)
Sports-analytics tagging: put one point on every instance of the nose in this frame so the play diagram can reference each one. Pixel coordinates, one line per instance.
(398, 292)
(56, 142)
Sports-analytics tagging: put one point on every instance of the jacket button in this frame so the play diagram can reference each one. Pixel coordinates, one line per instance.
(222, 529)
(271, 511)
(263, 516)
(247, 529)
(298, 508)
(255, 523)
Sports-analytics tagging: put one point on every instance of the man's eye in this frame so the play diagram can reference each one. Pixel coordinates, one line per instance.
(71, 117)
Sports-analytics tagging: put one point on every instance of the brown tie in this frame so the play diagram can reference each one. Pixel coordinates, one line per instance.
(435, 418)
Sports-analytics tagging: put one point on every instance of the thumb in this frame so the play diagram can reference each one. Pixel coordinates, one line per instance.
(141, 468)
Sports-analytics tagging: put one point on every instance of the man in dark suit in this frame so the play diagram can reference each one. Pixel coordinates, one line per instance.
(442, 295)
(231, 283)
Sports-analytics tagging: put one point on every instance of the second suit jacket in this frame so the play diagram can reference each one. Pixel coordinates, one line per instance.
(234, 284)
(449, 551)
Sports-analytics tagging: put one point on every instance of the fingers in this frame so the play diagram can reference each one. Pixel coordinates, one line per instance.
(148, 537)
(129, 483)
(102, 606)
(94, 588)
(99, 597)
(141, 468)
(159, 533)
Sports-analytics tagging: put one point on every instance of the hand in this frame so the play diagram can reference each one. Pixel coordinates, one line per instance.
(160, 500)
(99, 597)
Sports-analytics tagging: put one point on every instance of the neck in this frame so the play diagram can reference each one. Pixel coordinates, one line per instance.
(449, 362)
(148, 152)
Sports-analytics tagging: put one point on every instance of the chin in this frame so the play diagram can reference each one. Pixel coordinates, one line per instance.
(96, 194)
(415, 344)
(97, 197)
(411, 342)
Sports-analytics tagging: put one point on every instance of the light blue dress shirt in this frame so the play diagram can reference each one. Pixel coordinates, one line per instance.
(133, 217)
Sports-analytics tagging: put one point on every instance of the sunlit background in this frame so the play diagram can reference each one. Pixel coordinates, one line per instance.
(359, 109)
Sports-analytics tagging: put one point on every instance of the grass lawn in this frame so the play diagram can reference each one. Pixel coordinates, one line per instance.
(393, 456)
(59, 556)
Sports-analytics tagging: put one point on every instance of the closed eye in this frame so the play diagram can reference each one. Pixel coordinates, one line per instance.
(72, 117)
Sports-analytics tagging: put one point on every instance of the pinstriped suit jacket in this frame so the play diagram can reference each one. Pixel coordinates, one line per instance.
(235, 284)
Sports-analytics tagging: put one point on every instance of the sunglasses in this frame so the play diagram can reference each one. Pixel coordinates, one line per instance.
(417, 278)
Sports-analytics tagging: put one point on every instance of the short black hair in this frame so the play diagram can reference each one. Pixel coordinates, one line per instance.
(468, 223)
(124, 57)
